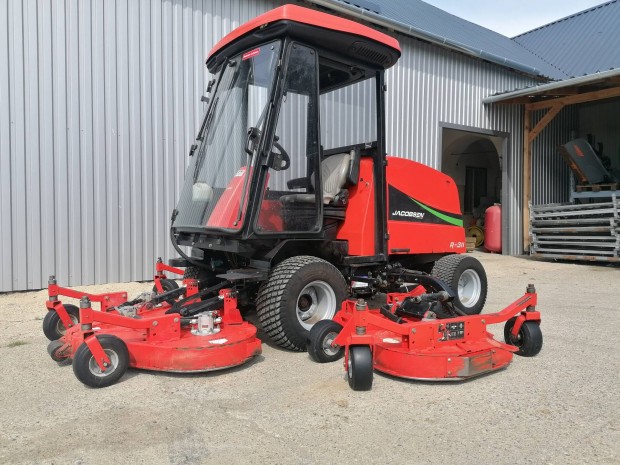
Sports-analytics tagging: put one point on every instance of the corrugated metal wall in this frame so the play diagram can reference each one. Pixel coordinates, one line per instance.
(99, 103)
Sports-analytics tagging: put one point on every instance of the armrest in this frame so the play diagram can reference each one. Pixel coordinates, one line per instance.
(299, 183)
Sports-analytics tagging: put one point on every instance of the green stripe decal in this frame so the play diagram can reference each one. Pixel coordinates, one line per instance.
(441, 216)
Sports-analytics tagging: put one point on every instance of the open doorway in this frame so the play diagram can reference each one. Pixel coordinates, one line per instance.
(475, 161)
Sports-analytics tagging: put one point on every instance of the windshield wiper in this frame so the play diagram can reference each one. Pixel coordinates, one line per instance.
(203, 147)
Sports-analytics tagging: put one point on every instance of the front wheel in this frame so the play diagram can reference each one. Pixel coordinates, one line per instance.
(88, 371)
(300, 292)
(359, 371)
(529, 340)
(466, 277)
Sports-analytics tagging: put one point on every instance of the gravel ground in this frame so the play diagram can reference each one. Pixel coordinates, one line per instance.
(559, 407)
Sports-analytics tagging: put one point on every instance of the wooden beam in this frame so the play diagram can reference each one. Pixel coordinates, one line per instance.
(574, 99)
(527, 177)
(544, 121)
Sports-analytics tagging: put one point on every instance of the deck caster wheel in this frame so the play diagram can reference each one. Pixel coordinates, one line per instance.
(53, 327)
(359, 372)
(529, 340)
(53, 349)
(167, 285)
(87, 370)
(320, 341)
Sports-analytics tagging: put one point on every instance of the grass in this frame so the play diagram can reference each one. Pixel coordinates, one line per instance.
(16, 344)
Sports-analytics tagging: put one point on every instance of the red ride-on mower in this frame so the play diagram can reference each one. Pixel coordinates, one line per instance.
(184, 329)
(421, 335)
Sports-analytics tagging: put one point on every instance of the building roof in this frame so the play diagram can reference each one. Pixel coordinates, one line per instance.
(419, 19)
(583, 43)
(579, 89)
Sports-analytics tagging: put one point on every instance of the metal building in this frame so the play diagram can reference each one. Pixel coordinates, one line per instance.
(100, 102)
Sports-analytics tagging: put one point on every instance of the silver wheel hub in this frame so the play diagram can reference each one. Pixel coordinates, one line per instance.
(328, 346)
(94, 367)
(469, 288)
(60, 326)
(315, 302)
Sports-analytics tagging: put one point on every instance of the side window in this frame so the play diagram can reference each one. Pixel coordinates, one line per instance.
(290, 200)
(349, 115)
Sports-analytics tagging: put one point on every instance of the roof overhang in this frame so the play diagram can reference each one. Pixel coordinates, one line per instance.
(597, 86)
(352, 10)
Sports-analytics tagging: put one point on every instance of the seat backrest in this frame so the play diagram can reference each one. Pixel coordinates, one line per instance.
(334, 171)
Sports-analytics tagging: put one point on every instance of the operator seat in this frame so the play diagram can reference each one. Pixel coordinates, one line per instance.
(334, 171)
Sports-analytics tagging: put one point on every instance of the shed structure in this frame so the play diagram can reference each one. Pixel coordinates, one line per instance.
(100, 103)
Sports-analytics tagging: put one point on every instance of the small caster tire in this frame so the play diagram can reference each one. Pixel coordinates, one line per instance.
(360, 372)
(320, 341)
(87, 370)
(53, 327)
(53, 349)
(529, 340)
(167, 285)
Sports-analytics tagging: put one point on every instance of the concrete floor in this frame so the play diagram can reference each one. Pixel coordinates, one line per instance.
(562, 406)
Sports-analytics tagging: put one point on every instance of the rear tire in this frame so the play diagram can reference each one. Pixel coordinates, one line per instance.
(300, 292)
(466, 277)
(167, 285)
(205, 277)
(53, 327)
(359, 371)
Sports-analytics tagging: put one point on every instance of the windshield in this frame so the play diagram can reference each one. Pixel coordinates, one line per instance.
(216, 186)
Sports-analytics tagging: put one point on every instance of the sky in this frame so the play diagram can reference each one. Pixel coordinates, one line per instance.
(512, 17)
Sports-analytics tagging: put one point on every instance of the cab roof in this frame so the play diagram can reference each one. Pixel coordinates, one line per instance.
(341, 36)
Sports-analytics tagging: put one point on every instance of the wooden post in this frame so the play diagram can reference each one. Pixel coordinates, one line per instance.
(527, 177)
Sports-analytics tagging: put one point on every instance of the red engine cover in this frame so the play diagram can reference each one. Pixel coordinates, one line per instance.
(424, 213)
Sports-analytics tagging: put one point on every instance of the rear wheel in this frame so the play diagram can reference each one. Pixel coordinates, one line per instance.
(206, 278)
(300, 292)
(53, 327)
(167, 285)
(529, 339)
(466, 277)
(320, 342)
(359, 371)
(88, 371)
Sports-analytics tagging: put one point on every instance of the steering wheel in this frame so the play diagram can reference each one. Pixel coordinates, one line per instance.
(286, 160)
(254, 135)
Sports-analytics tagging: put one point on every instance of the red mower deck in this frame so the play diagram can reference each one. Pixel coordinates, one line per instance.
(189, 335)
(427, 348)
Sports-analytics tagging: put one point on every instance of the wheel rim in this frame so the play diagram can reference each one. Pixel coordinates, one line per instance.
(60, 326)
(469, 288)
(316, 302)
(328, 348)
(94, 367)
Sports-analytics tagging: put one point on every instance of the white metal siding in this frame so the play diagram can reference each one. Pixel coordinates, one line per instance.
(99, 104)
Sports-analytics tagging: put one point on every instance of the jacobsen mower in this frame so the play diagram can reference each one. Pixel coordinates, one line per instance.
(290, 203)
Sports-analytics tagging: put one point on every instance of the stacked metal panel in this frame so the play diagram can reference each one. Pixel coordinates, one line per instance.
(577, 231)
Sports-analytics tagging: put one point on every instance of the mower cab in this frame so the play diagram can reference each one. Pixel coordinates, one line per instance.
(262, 172)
